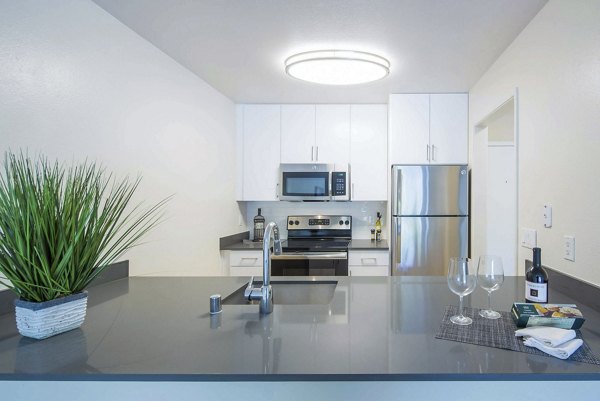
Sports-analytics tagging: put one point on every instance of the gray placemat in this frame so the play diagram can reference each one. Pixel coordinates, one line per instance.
(498, 333)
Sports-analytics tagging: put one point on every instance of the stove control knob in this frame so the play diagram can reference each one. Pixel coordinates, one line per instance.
(297, 222)
(347, 222)
(291, 223)
(341, 222)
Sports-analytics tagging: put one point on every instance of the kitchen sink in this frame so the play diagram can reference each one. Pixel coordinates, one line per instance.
(290, 293)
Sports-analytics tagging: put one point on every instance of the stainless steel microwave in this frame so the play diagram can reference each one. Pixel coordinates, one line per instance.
(314, 182)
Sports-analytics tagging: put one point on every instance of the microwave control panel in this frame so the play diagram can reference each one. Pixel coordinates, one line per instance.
(338, 183)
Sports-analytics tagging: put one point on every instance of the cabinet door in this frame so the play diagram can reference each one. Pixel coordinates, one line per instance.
(333, 133)
(368, 152)
(261, 144)
(369, 263)
(448, 131)
(298, 133)
(409, 129)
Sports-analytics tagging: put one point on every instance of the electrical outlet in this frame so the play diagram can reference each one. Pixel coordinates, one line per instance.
(570, 247)
(528, 237)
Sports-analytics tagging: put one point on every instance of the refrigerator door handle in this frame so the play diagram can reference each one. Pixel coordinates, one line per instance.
(396, 190)
(394, 246)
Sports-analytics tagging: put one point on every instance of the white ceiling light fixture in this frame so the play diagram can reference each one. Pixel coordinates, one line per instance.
(337, 67)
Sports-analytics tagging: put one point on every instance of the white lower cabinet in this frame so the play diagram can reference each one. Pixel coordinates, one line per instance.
(245, 263)
(369, 263)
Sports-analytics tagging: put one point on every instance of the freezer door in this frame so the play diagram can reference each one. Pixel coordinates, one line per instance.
(430, 190)
(423, 246)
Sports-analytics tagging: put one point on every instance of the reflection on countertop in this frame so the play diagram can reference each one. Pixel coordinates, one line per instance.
(375, 328)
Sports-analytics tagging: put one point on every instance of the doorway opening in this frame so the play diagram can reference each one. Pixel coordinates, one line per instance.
(495, 186)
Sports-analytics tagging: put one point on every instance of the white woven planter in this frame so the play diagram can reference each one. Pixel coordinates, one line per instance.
(41, 320)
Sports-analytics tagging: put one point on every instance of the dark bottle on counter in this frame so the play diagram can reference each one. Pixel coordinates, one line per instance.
(259, 227)
(378, 227)
(536, 280)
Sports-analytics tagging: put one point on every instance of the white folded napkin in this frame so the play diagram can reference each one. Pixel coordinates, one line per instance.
(563, 351)
(549, 336)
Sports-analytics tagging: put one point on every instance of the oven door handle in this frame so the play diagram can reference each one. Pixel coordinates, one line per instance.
(311, 256)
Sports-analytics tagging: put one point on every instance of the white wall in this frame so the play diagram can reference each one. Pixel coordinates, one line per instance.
(555, 63)
(75, 83)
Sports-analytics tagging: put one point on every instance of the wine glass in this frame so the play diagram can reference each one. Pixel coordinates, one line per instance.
(461, 281)
(490, 275)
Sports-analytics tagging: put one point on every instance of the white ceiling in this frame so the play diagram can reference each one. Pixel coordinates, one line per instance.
(238, 46)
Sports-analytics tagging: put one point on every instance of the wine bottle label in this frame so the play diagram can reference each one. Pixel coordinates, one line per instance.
(536, 292)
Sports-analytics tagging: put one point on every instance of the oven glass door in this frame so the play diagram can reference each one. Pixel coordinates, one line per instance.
(305, 185)
(310, 264)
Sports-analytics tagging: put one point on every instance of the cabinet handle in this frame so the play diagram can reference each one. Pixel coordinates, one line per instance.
(277, 190)
(369, 261)
(312, 153)
(352, 194)
(433, 152)
(427, 152)
(317, 158)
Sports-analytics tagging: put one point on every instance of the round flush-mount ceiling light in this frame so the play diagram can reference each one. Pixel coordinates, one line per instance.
(337, 67)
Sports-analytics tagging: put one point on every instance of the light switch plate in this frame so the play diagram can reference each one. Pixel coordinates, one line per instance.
(547, 216)
(528, 237)
(570, 247)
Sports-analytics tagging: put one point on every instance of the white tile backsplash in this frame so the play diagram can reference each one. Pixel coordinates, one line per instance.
(363, 214)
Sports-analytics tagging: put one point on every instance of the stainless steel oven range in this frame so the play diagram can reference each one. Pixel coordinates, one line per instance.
(316, 246)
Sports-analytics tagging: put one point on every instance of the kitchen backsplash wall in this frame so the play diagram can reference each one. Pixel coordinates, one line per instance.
(363, 214)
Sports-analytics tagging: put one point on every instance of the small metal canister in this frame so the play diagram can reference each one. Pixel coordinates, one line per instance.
(215, 304)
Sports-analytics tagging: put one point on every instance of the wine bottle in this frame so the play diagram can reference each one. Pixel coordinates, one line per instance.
(378, 227)
(536, 280)
(259, 227)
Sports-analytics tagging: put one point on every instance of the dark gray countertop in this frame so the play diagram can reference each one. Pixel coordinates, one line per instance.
(368, 245)
(355, 244)
(243, 246)
(376, 328)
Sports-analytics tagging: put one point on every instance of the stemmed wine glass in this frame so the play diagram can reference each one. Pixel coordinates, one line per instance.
(490, 275)
(461, 281)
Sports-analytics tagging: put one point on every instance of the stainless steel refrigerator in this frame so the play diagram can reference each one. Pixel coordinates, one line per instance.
(430, 218)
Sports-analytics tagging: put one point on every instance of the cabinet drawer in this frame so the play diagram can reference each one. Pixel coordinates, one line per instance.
(245, 271)
(246, 258)
(368, 258)
(358, 271)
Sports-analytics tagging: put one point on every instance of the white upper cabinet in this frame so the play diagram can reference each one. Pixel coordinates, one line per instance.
(368, 155)
(409, 129)
(332, 133)
(315, 134)
(448, 128)
(261, 151)
(428, 129)
(298, 133)
(335, 133)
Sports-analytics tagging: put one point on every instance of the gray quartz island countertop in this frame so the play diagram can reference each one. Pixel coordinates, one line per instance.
(375, 329)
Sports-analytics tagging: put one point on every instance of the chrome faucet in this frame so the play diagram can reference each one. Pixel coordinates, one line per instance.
(265, 292)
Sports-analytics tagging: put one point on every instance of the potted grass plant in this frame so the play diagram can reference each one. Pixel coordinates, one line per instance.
(60, 227)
